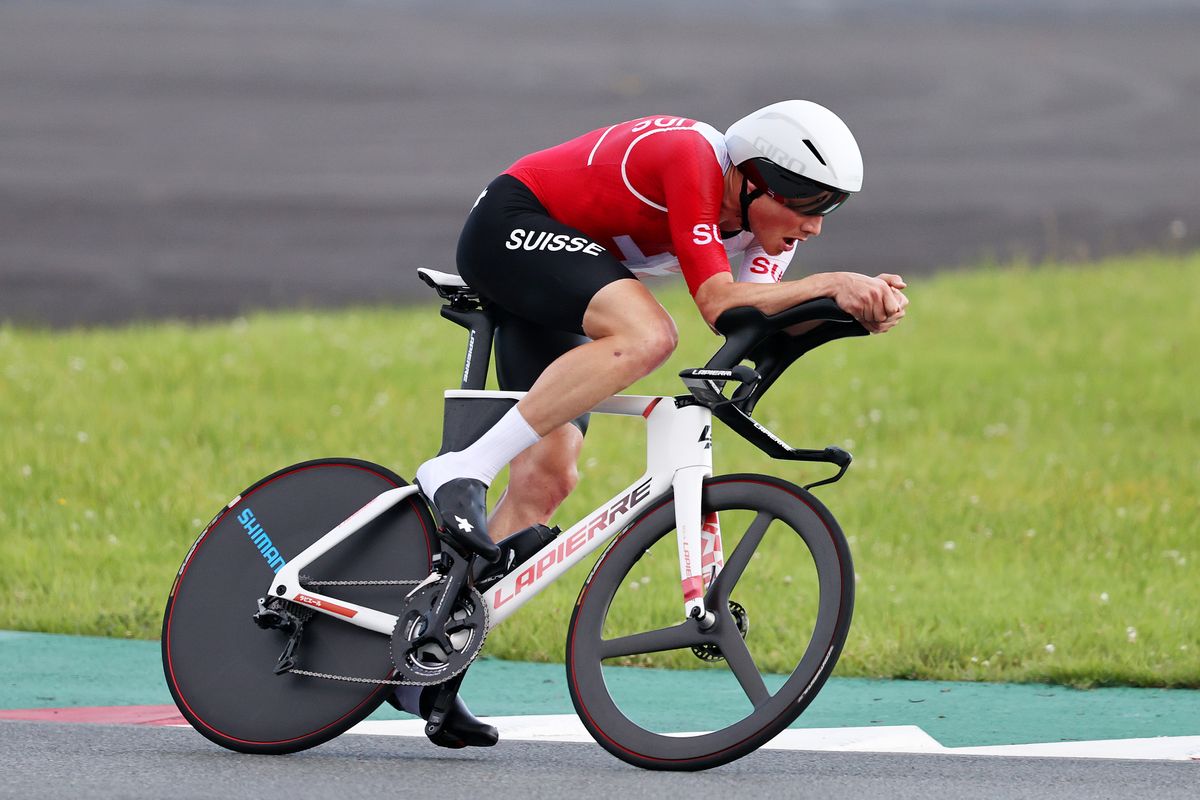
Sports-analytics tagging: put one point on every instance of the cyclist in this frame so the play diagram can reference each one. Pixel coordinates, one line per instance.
(556, 244)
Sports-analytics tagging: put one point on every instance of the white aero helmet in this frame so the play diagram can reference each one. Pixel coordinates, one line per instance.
(798, 153)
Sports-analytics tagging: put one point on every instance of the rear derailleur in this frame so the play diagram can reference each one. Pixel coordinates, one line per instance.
(277, 614)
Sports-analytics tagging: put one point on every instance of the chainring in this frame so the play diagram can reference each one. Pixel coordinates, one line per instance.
(709, 651)
(422, 660)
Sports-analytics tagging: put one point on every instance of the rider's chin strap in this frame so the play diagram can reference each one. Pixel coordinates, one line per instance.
(746, 199)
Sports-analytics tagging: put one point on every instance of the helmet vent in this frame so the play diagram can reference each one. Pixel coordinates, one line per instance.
(815, 153)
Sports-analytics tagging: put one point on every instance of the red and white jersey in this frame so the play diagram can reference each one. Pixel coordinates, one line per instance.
(649, 190)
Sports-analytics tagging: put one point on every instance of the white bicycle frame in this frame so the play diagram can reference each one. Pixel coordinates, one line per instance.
(678, 458)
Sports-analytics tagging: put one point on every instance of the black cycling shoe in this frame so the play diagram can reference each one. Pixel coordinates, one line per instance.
(517, 549)
(462, 506)
(462, 728)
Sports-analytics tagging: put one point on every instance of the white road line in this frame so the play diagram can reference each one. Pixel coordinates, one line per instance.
(1159, 748)
(882, 739)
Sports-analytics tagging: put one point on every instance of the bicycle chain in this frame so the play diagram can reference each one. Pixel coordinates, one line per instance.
(377, 681)
(350, 679)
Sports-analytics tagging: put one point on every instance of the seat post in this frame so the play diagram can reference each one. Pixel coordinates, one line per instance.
(464, 307)
(467, 418)
(481, 324)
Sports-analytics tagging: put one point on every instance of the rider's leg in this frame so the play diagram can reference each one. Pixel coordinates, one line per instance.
(540, 478)
(534, 267)
(561, 280)
(631, 333)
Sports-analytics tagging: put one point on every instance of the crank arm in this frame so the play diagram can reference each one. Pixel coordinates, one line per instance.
(442, 705)
(439, 613)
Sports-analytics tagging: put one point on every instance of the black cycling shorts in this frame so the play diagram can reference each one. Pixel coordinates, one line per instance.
(530, 264)
(538, 273)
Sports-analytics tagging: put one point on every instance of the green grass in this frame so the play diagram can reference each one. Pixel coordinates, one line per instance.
(1025, 503)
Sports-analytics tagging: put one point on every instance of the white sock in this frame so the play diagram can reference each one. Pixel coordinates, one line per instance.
(484, 459)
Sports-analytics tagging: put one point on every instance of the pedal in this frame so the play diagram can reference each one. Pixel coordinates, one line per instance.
(441, 562)
(516, 550)
(442, 704)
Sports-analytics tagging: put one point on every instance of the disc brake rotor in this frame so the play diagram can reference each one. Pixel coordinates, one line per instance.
(709, 651)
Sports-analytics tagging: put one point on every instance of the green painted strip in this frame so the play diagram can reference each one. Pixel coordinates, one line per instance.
(48, 671)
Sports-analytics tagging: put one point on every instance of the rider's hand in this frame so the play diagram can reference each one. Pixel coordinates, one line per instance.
(877, 303)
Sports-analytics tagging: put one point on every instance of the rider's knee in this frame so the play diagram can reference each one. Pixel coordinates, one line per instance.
(653, 344)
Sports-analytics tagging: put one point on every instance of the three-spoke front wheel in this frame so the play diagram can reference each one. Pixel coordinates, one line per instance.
(782, 602)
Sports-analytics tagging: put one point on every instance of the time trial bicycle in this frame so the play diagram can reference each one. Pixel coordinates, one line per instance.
(317, 590)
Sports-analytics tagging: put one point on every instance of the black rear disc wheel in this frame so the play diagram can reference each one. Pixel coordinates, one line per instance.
(785, 557)
(220, 666)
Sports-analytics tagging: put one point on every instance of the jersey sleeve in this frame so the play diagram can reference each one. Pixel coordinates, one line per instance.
(682, 164)
(758, 267)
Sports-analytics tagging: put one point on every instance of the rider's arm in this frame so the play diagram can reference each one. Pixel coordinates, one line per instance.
(876, 302)
(680, 165)
(690, 180)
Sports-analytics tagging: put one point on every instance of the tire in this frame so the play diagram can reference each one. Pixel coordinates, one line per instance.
(219, 665)
(789, 518)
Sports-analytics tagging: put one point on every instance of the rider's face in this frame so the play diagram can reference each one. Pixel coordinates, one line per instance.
(779, 228)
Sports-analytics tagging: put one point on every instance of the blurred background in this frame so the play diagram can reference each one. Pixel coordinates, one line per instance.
(1026, 496)
(202, 158)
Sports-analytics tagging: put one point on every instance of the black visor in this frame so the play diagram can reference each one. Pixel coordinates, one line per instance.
(802, 195)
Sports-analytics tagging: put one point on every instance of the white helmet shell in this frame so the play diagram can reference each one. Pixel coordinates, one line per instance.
(801, 137)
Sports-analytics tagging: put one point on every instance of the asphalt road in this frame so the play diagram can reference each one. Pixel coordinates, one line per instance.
(199, 159)
(44, 760)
